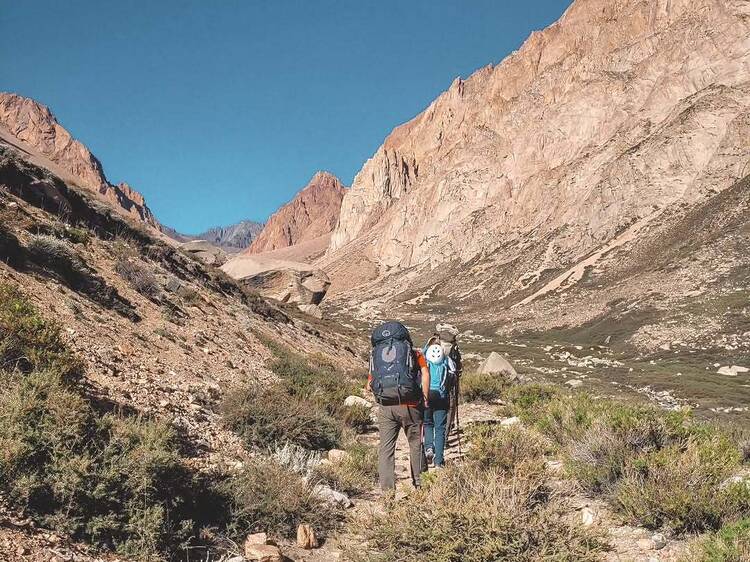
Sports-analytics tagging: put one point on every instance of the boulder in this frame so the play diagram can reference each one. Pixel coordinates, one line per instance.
(311, 310)
(206, 252)
(263, 553)
(497, 364)
(510, 421)
(732, 371)
(306, 537)
(290, 285)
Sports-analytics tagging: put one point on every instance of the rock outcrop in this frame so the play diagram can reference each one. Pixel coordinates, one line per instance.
(597, 124)
(38, 133)
(312, 214)
(290, 285)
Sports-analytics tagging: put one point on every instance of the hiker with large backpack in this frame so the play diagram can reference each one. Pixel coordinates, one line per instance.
(400, 381)
(442, 374)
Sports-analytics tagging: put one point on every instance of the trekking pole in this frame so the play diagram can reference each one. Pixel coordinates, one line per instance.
(458, 424)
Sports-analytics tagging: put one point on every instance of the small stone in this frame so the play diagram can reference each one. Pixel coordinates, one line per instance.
(357, 401)
(263, 553)
(659, 540)
(22, 551)
(256, 538)
(332, 496)
(306, 537)
(337, 455)
(510, 421)
(588, 516)
(574, 383)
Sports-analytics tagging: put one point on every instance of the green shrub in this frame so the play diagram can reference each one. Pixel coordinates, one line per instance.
(682, 486)
(470, 514)
(139, 276)
(266, 497)
(358, 417)
(77, 235)
(265, 416)
(356, 474)
(29, 342)
(112, 481)
(482, 387)
(505, 448)
(731, 543)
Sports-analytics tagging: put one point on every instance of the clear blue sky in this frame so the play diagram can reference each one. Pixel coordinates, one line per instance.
(219, 111)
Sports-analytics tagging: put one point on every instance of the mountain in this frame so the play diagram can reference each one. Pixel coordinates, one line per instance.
(310, 216)
(577, 143)
(32, 128)
(234, 237)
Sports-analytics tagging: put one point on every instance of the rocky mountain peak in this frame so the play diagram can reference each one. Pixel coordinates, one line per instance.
(312, 214)
(31, 126)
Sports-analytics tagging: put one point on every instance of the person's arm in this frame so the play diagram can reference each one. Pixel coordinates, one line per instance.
(425, 384)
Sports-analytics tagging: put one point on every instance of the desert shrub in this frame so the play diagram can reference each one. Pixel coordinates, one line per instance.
(598, 458)
(113, 481)
(505, 448)
(354, 475)
(29, 342)
(57, 255)
(295, 458)
(482, 387)
(731, 543)
(470, 514)
(265, 416)
(139, 276)
(682, 486)
(77, 235)
(266, 497)
(358, 417)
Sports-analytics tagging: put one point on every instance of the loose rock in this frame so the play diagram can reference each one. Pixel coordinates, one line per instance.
(306, 537)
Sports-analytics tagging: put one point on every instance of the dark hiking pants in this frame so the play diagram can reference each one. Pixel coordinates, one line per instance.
(391, 419)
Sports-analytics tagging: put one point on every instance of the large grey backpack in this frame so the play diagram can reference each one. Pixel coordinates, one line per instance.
(393, 366)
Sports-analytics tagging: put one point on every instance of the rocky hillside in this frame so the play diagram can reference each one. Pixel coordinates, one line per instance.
(310, 216)
(576, 143)
(32, 128)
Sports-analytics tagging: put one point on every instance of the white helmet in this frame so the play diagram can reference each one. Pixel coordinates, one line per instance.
(435, 354)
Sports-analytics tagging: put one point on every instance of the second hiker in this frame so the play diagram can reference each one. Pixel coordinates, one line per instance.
(442, 379)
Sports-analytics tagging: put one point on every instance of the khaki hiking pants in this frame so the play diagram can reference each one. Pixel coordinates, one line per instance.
(391, 419)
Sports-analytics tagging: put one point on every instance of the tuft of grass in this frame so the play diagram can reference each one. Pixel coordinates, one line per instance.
(731, 543)
(266, 497)
(506, 448)
(358, 417)
(58, 256)
(482, 387)
(139, 276)
(266, 416)
(471, 514)
(354, 475)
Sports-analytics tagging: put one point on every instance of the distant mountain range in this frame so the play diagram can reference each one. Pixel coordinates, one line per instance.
(232, 238)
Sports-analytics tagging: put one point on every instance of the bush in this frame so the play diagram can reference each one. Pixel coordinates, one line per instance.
(731, 543)
(473, 515)
(266, 416)
(354, 475)
(358, 417)
(29, 342)
(115, 482)
(139, 276)
(57, 255)
(266, 497)
(682, 486)
(505, 448)
(482, 387)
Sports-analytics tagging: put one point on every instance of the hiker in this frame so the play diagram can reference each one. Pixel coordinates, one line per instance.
(442, 373)
(400, 380)
(447, 336)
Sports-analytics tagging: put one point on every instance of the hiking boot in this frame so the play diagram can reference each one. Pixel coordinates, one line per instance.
(429, 454)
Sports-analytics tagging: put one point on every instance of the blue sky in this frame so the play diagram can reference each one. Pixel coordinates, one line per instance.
(219, 111)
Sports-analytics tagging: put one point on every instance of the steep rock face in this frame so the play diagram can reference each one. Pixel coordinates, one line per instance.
(617, 111)
(37, 128)
(313, 213)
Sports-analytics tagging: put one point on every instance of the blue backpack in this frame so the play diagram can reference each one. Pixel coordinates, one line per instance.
(439, 378)
(393, 365)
